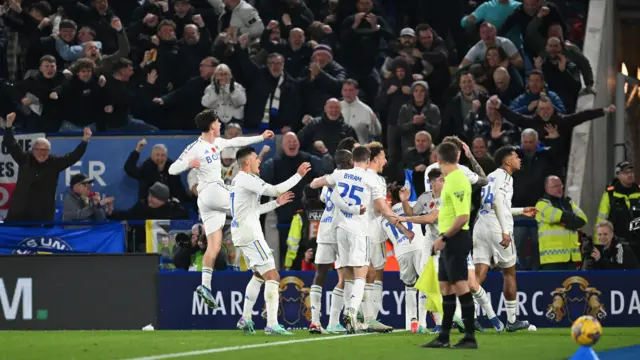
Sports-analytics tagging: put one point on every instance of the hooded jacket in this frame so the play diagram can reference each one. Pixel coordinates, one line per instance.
(389, 104)
(430, 111)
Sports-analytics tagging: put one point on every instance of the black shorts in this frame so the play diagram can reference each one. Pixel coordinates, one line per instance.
(453, 258)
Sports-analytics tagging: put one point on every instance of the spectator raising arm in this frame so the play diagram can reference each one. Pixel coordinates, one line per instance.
(62, 162)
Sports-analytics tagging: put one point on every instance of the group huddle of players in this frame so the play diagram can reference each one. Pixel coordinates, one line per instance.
(354, 227)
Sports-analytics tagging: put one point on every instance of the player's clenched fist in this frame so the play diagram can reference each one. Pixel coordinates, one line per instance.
(304, 168)
(194, 164)
(285, 198)
(268, 134)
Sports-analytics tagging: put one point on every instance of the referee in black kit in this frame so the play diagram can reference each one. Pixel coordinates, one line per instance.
(455, 245)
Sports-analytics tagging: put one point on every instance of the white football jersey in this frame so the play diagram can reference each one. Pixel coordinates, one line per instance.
(378, 233)
(499, 180)
(426, 204)
(357, 187)
(246, 191)
(401, 244)
(210, 170)
(473, 177)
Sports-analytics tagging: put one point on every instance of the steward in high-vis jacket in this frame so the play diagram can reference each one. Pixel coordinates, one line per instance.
(559, 220)
(620, 205)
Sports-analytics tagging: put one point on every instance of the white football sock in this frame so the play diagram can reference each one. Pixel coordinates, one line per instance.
(250, 297)
(483, 299)
(316, 303)
(348, 290)
(271, 297)
(356, 295)
(206, 277)
(512, 308)
(475, 309)
(411, 302)
(367, 303)
(422, 309)
(437, 318)
(377, 298)
(337, 301)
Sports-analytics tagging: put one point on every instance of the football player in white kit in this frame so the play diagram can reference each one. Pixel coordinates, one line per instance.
(477, 179)
(246, 232)
(327, 253)
(213, 197)
(412, 256)
(357, 187)
(372, 301)
(493, 233)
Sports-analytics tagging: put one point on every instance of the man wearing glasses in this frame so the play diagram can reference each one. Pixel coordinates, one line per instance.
(559, 220)
(33, 198)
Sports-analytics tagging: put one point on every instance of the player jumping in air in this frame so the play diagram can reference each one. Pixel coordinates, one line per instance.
(357, 187)
(246, 232)
(213, 197)
(493, 233)
(327, 253)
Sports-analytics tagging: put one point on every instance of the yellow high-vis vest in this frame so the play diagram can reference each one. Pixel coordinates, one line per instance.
(557, 244)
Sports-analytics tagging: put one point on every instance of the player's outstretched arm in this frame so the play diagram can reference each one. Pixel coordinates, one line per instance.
(277, 190)
(383, 209)
(184, 162)
(319, 182)
(338, 201)
(241, 141)
(426, 219)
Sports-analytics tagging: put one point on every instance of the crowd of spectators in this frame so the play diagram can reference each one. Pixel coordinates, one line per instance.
(408, 73)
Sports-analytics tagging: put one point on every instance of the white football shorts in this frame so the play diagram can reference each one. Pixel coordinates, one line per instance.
(258, 256)
(214, 203)
(486, 245)
(411, 265)
(353, 250)
(327, 253)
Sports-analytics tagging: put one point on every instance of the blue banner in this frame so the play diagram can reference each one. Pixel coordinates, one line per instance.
(408, 183)
(104, 161)
(546, 299)
(106, 239)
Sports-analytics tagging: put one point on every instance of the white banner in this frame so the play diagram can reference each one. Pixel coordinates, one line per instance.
(9, 169)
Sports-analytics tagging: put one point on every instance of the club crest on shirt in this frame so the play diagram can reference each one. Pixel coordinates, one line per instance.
(459, 195)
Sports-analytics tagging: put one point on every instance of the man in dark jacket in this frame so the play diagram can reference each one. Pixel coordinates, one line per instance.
(33, 198)
(419, 114)
(154, 170)
(463, 110)
(273, 98)
(322, 80)
(322, 134)
(157, 206)
(416, 159)
(98, 16)
(81, 204)
(613, 253)
(297, 53)
(435, 60)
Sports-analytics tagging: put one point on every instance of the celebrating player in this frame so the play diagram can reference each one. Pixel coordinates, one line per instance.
(246, 233)
(493, 234)
(456, 244)
(327, 253)
(357, 187)
(372, 302)
(213, 197)
(411, 256)
(477, 177)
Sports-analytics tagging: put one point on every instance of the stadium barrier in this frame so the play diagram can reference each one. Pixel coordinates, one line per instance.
(546, 299)
(78, 292)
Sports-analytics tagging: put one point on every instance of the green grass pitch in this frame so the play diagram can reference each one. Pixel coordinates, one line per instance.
(551, 344)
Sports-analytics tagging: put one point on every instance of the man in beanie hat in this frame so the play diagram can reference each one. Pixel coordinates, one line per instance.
(418, 115)
(324, 81)
(158, 206)
(620, 204)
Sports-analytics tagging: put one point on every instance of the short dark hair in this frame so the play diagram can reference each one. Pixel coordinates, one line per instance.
(375, 148)
(395, 194)
(68, 24)
(47, 58)
(42, 7)
(204, 120)
(243, 153)
(274, 55)
(434, 174)
(448, 153)
(503, 153)
(351, 82)
(347, 143)
(120, 64)
(361, 154)
(537, 72)
(465, 73)
(343, 159)
(81, 64)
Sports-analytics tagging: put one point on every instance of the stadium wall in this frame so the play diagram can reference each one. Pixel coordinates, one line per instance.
(592, 144)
